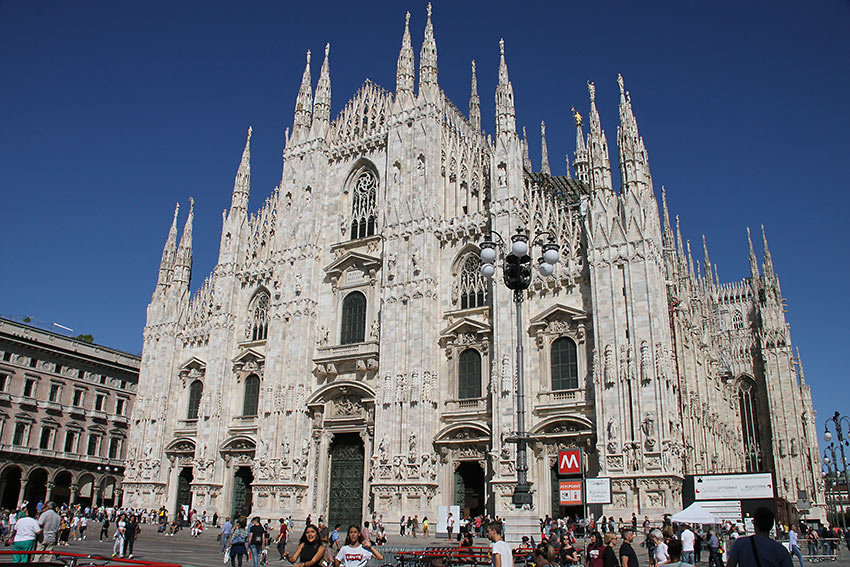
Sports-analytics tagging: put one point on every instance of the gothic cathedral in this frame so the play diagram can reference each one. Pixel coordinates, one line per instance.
(347, 356)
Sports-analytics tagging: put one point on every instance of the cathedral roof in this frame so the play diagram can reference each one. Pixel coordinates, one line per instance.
(568, 189)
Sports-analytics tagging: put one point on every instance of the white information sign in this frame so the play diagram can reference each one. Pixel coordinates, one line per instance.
(733, 486)
(598, 490)
(724, 509)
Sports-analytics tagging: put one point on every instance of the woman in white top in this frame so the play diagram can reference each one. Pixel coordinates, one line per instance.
(354, 553)
(660, 554)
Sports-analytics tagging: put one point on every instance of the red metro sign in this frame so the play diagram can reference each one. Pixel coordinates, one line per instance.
(569, 461)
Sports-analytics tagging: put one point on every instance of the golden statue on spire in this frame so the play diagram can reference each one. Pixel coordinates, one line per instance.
(577, 116)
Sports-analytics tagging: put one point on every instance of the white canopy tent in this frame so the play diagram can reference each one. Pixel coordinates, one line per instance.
(695, 514)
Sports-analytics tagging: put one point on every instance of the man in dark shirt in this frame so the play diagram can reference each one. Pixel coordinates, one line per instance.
(628, 557)
(257, 540)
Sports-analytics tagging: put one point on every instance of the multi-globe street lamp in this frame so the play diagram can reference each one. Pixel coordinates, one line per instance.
(839, 422)
(830, 478)
(517, 275)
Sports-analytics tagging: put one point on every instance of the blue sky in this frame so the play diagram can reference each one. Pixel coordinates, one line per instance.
(110, 112)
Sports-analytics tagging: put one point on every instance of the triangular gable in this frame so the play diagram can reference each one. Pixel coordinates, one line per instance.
(358, 259)
(465, 325)
(558, 311)
(193, 362)
(249, 354)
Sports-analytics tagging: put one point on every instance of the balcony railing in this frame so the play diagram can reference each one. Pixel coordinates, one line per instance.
(467, 405)
(560, 398)
(60, 455)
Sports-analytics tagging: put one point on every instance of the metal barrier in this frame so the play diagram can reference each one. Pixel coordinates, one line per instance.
(77, 559)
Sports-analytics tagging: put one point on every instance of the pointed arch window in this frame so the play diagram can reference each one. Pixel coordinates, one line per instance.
(353, 319)
(472, 287)
(195, 391)
(748, 407)
(363, 208)
(260, 317)
(564, 364)
(469, 374)
(252, 395)
(738, 320)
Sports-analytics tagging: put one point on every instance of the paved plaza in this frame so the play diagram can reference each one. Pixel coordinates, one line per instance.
(204, 551)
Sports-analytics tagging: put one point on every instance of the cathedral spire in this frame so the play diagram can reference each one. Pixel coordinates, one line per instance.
(754, 265)
(666, 212)
(707, 261)
(580, 158)
(428, 61)
(526, 159)
(690, 261)
(303, 105)
(679, 248)
(322, 102)
(169, 251)
(768, 260)
(634, 171)
(183, 263)
(800, 366)
(544, 151)
(404, 74)
(505, 112)
(474, 102)
(597, 143)
(242, 185)
(567, 159)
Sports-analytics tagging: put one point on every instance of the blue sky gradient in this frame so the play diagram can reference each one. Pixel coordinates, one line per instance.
(110, 112)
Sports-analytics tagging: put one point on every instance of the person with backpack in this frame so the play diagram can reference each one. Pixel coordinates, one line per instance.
(237, 544)
(104, 529)
(759, 550)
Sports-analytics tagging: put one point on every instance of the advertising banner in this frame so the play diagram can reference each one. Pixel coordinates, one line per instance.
(733, 486)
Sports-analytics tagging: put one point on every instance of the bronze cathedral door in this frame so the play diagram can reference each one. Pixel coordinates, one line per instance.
(345, 494)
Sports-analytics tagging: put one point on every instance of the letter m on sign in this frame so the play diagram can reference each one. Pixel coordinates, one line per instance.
(569, 461)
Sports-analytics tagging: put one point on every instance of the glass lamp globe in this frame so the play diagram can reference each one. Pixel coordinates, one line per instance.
(551, 255)
(487, 270)
(827, 460)
(488, 255)
(827, 436)
(519, 247)
(546, 269)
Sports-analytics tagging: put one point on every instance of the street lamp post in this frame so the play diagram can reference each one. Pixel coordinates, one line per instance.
(517, 275)
(829, 478)
(839, 422)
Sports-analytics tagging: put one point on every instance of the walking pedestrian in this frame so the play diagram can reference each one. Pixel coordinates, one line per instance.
(714, 557)
(237, 544)
(131, 530)
(609, 557)
(628, 557)
(281, 539)
(794, 545)
(257, 543)
(224, 534)
(50, 522)
(759, 550)
(450, 525)
(104, 529)
(23, 536)
(594, 551)
(688, 541)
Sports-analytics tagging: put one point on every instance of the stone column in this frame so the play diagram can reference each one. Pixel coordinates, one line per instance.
(22, 492)
(367, 464)
(74, 496)
(172, 487)
(322, 461)
(48, 494)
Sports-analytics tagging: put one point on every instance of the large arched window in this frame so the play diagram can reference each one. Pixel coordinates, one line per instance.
(564, 364)
(738, 320)
(749, 424)
(260, 317)
(195, 391)
(469, 374)
(363, 204)
(252, 395)
(472, 287)
(353, 319)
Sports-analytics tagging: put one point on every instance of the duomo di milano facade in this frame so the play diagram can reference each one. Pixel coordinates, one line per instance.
(345, 355)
